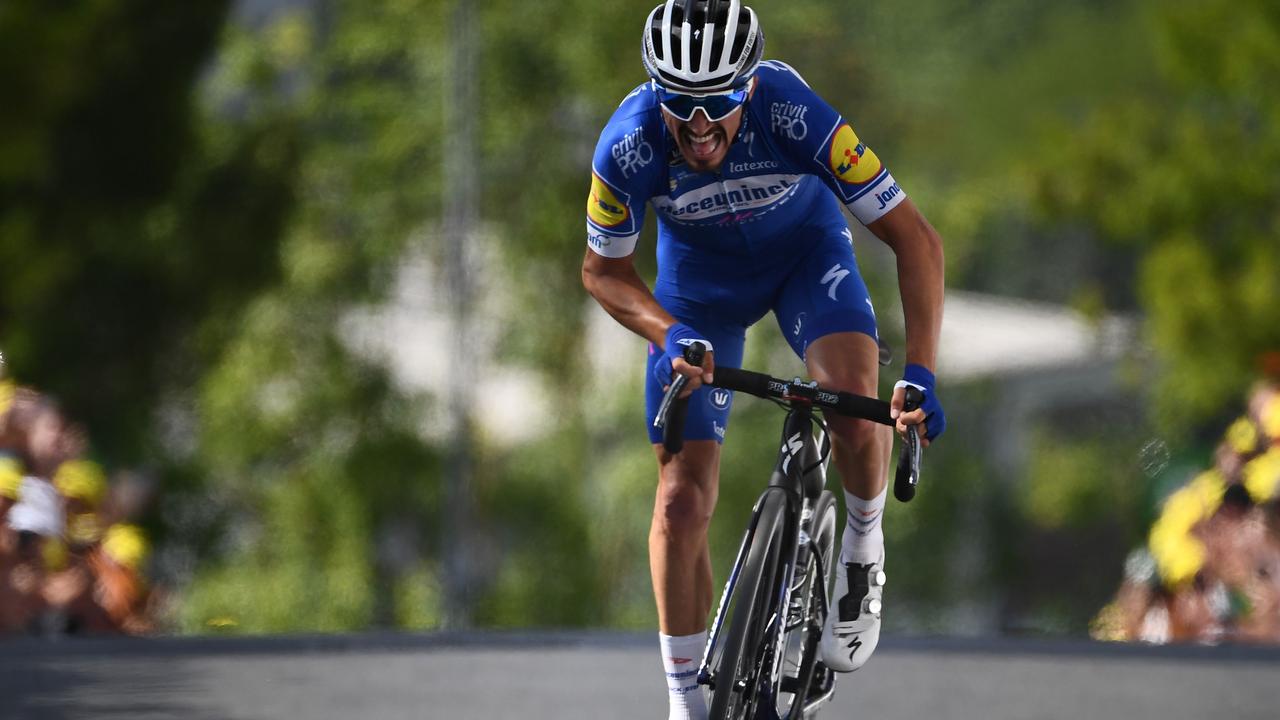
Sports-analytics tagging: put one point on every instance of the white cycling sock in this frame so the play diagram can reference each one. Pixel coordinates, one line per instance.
(863, 539)
(681, 656)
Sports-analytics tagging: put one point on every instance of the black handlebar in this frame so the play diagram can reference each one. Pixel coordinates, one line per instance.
(672, 424)
(672, 409)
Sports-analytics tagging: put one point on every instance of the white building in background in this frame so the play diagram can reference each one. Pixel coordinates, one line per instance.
(412, 335)
(987, 335)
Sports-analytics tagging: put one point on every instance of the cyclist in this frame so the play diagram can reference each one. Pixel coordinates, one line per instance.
(746, 168)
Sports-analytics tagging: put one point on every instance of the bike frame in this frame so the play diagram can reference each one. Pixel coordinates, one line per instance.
(800, 475)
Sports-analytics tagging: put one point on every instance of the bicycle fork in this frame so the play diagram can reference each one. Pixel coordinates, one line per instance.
(730, 587)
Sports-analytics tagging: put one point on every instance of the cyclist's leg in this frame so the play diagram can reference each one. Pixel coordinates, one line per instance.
(826, 315)
(680, 565)
(825, 312)
(687, 490)
(679, 559)
(678, 556)
(849, 361)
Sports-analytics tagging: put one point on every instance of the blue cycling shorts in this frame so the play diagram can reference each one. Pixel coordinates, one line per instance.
(818, 294)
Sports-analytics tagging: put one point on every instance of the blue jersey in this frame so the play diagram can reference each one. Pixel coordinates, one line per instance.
(793, 158)
(765, 233)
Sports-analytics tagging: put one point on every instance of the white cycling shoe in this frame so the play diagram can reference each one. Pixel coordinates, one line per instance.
(852, 629)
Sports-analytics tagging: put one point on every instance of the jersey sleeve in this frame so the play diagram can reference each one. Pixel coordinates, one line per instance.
(622, 168)
(815, 137)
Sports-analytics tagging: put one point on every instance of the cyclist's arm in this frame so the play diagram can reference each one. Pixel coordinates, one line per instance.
(615, 284)
(918, 248)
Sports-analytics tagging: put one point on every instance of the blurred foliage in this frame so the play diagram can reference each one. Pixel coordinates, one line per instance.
(1071, 483)
(1182, 172)
(320, 451)
(118, 244)
(198, 206)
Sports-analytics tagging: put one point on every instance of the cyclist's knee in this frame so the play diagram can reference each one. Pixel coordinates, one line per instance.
(846, 362)
(683, 508)
(687, 490)
(856, 435)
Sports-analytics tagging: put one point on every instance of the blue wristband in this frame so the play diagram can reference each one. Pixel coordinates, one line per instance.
(920, 376)
(679, 336)
(935, 419)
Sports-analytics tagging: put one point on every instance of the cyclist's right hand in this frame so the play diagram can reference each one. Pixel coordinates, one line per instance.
(680, 336)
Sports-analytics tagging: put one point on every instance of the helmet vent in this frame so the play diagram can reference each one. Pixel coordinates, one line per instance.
(740, 37)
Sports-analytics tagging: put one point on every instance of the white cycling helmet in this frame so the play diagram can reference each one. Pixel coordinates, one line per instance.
(702, 46)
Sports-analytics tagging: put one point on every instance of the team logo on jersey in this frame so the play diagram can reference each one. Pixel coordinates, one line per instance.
(598, 240)
(603, 207)
(835, 275)
(632, 152)
(736, 196)
(851, 160)
(719, 398)
(788, 120)
(742, 168)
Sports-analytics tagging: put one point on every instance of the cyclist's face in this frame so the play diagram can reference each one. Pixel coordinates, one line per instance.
(703, 143)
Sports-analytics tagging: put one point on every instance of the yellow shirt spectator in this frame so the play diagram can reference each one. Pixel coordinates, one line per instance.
(1270, 417)
(1242, 436)
(81, 480)
(1179, 555)
(1261, 475)
(10, 477)
(126, 545)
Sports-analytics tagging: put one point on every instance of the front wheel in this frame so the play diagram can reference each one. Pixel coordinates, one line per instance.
(740, 659)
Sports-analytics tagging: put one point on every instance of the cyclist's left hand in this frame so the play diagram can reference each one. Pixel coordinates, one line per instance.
(930, 411)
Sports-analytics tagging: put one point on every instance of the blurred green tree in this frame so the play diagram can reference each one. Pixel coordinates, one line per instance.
(324, 484)
(122, 228)
(1184, 172)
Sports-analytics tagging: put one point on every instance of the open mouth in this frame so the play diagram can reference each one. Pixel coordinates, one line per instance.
(705, 146)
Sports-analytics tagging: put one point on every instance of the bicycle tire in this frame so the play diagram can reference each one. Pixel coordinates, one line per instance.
(736, 681)
(822, 534)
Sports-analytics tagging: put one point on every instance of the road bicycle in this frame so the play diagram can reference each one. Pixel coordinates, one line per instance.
(763, 664)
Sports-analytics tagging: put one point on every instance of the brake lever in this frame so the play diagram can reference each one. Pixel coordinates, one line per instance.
(908, 475)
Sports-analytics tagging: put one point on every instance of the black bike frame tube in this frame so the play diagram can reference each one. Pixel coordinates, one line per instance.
(797, 434)
(784, 579)
(797, 448)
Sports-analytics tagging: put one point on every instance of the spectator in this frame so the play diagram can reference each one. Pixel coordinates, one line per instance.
(35, 525)
(70, 559)
(10, 481)
(1211, 570)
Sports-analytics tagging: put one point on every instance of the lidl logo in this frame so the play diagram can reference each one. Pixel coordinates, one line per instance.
(852, 161)
(603, 207)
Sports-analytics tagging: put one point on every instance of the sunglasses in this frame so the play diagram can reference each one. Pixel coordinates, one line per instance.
(716, 106)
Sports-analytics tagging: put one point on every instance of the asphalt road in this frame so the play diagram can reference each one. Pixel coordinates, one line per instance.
(604, 675)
